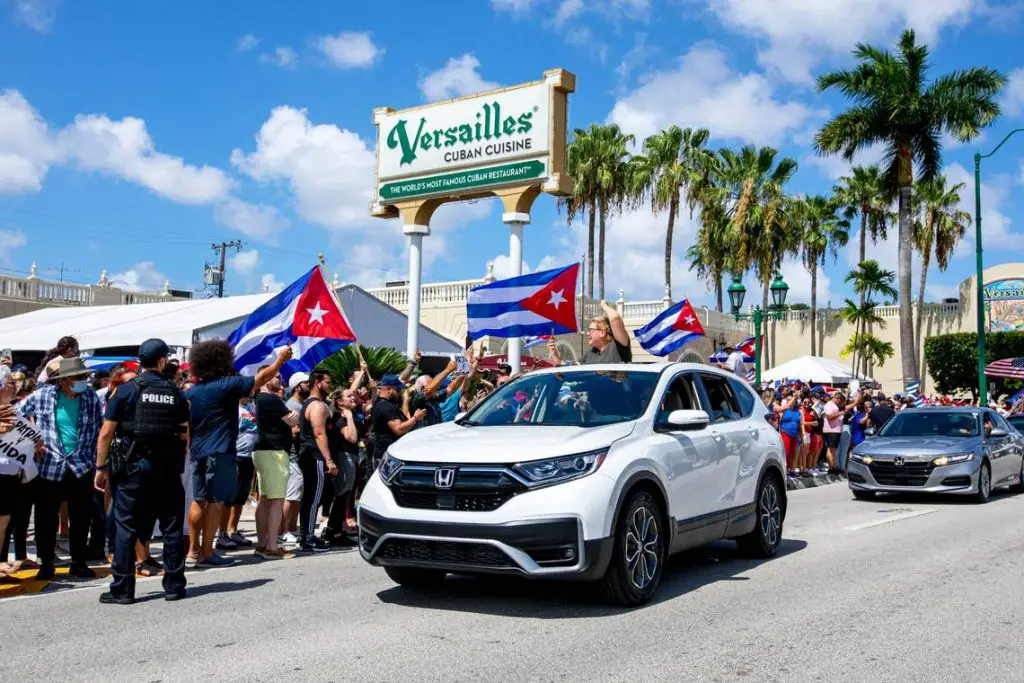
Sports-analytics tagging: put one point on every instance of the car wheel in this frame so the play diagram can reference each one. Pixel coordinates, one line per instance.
(863, 495)
(416, 577)
(765, 539)
(1019, 486)
(984, 484)
(639, 553)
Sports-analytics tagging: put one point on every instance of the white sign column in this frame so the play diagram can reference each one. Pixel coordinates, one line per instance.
(515, 221)
(415, 233)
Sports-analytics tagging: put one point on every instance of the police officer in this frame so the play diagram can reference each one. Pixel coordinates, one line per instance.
(152, 417)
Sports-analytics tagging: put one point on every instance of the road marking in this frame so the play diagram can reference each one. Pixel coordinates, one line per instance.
(889, 520)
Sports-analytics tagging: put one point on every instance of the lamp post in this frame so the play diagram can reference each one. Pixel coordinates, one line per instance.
(979, 304)
(737, 292)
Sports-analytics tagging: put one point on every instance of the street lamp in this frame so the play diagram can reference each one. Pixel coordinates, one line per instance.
(737, 292)
(979, 304)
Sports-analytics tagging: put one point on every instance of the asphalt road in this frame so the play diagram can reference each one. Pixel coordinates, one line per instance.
(894, 590)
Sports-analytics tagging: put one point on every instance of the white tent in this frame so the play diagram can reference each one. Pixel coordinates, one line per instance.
(181, 323)
(813, 369)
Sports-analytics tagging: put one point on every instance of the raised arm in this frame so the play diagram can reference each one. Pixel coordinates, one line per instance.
(439, 379)
(270, 372)
(407, 372)
(618, 325)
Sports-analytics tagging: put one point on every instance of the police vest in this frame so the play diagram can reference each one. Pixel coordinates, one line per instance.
(157, 407)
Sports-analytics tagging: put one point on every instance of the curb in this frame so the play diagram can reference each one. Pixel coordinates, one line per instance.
(797, 483)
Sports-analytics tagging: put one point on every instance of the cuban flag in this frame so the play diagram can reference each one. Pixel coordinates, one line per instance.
(750, 375)
(533, 342)
(747, 347)
(920, 401)
(670, 330)
(541, 303)
(912, 388)
(306, 315)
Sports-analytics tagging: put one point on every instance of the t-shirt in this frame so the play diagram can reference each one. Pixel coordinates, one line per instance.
(274, 433)
(450, 406)
(881, 414)
(812, 417)
(857, 428)
(67, 421)
(383, 412)
(790, 422)
(248, 434)
(736, 364)
(613, 353)
(833, 419)
(214, 410)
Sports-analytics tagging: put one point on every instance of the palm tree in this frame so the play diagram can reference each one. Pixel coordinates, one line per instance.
(711, 252)
(613, 172)
(868, 279)
(822, 233)
(941, 226)
(870, 347)
(863, 194)
(381, 360)
(894, 106)
(675, 165)
(860, 316)
(582, 165)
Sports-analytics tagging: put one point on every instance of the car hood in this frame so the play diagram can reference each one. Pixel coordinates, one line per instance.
(909, 445)
(450, 442)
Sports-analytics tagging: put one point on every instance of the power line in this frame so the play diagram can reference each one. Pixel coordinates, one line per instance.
(222, 249)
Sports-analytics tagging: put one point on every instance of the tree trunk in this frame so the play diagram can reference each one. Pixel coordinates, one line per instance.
(906, 308)
(764, 328)
(863, 235)
(814, 306)
(672, 208)
(718, 292)
(918, 342)
(603, 209)
(590, 253)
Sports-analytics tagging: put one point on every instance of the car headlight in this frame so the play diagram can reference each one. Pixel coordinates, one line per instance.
(561, 469)
(857, 457)
(952, 459)
(389, 467)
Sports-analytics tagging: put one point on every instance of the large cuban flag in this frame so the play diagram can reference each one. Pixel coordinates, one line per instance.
(670, 330)
(538, 304)
(306, 315)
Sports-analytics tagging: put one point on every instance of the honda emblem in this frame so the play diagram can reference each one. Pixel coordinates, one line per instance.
(899, 460)
(444, 478)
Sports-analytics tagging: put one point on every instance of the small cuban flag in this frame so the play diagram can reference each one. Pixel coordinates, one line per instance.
(306, 315)
(920, 401)
(750, 375)
(533, 342)
(541, 303)
(670, 330)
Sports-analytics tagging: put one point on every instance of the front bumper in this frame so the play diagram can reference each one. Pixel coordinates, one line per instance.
(882, 477)
(537, 548)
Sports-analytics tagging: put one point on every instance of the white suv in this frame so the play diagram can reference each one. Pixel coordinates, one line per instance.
(594, 472)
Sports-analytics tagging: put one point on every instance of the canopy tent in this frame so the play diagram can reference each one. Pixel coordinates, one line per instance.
(813, 369)
(181, 323)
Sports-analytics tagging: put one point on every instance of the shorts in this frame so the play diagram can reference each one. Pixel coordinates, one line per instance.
(243, 480)
(10, 493)
(214, 478)
(790, 445)
(294, 493)
(832, 439)
(272, 469)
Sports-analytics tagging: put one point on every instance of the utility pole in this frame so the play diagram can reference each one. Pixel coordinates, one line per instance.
(222, 248)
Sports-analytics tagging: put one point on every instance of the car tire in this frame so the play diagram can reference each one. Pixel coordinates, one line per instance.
(984, 492)
(863, 495)
(638, 556)
(1019, 486)
(765, 539)
(416, 577)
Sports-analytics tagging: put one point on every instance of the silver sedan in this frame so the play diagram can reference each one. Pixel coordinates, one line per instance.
(965, 451)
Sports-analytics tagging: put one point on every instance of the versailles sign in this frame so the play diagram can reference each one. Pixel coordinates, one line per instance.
(474, 145)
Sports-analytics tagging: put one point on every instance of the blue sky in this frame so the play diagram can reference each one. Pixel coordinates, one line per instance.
(133, 135)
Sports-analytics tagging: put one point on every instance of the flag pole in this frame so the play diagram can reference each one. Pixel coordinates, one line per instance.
(583, 267)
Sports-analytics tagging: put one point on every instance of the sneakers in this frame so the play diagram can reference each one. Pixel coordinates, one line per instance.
(81, 571)
(316, 546)
(278, 554)
(109, 598)
(45, 573)
(213, 561)
(240, 540)
(225, 542)
(173, 597)
(288, 539)
(191, 563)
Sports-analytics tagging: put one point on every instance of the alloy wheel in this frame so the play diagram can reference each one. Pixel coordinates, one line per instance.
(642, 547)
(984, 481)
(770, 513)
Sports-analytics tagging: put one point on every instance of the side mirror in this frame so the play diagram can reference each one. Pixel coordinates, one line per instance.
(458, 418)
(997, 433)
(688, 419)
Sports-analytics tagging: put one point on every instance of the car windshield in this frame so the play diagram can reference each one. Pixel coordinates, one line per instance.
(577, 399)
(932, 424)
(1016, 420)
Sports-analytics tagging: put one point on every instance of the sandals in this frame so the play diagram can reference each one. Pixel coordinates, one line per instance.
(148, 567)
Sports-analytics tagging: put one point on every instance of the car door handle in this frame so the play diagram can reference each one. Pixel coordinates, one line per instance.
(717, 436)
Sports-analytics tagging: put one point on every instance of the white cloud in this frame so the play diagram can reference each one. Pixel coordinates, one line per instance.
(795, 35)
(994, 223)
(284, 57)
(38, 15)
(566, 11)
(247, 42)
(503, 266)
(349, 50)
(583, 37)
(26, 150)
(798, 277)
(1013, 93)
(258, 221)
(834, 166)
(704, 91)
(329, 170)
(244, 262)
(460, 76)
(10, 240)
(935, 292)
(633, 59)
(269, 283)
(513, 6)
(141, 276)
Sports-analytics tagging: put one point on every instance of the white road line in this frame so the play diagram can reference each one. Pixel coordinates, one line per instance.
(889, 520)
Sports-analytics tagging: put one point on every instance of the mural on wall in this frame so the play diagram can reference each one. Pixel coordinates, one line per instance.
(1004, 305)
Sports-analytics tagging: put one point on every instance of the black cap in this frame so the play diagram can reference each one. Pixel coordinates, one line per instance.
(879, 396)
(153, 350)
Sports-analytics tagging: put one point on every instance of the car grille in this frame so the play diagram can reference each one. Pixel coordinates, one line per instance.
(886, 473)
(443, 552)
(474, 489)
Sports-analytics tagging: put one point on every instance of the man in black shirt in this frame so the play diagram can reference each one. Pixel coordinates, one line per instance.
(882, 412)
(274, 423)
(387, 422)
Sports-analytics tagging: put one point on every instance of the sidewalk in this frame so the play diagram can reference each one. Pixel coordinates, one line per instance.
(804, 482)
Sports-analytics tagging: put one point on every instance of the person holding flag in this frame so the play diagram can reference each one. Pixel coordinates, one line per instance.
(608, 339)
(670, 331)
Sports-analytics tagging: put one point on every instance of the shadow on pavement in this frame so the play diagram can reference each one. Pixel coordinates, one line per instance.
(518, 597)
(199, 591)
(998, 495)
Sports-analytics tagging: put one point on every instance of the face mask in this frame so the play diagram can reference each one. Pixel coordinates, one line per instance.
(79, 387)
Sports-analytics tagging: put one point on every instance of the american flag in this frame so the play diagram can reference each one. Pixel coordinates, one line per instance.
(1012, 368)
